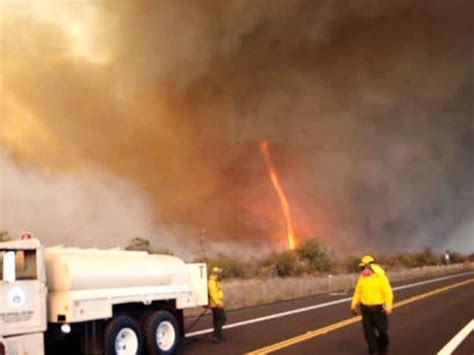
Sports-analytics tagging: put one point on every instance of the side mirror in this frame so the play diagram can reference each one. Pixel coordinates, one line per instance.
(9, 272)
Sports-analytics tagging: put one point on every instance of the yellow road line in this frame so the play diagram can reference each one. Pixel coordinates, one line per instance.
(327, 329)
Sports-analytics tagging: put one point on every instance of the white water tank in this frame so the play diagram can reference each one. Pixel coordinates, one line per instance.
(70, 269)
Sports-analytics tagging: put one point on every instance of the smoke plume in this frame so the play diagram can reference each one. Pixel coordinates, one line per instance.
(367, 106)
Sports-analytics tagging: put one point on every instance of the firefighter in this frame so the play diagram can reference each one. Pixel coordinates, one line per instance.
(373, 297)
(216, 303)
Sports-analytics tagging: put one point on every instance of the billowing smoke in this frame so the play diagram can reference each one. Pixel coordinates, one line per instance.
(367, 107)
(75, 210)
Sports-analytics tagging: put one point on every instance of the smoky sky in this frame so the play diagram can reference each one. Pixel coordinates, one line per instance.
(366, 105)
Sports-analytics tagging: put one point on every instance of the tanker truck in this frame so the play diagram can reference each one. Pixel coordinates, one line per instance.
(101, 301)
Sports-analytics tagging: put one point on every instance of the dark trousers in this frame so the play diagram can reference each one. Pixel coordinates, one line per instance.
(375, 324)
(218, 320)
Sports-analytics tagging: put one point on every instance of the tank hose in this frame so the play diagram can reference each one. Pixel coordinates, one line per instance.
(196, 320)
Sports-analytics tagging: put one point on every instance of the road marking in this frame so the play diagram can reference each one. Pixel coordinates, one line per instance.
(324, 330)
(449, 348)
(317, 306)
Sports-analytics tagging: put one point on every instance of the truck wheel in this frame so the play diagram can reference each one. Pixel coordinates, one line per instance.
(161, 333)
(123, 336)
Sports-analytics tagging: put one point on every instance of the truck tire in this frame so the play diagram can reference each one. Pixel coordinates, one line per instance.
(161, 333)
(123, 336)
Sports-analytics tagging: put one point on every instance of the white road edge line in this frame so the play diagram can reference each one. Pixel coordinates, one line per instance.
(317, 306)
(449, 348)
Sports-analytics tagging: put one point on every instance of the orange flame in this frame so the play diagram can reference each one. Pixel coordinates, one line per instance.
(280, 192)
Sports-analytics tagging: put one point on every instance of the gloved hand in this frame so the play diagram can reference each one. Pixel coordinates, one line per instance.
(355, 310)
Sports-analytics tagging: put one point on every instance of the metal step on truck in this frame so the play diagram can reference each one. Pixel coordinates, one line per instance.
(60, 300)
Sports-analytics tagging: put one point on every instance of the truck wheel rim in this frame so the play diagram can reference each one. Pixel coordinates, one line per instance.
(126, 342)
(165, 336)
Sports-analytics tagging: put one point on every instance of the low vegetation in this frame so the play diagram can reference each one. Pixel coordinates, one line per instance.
(142, 244)
(4, 236)
(312, 258)
(309, 259)
(249, 292)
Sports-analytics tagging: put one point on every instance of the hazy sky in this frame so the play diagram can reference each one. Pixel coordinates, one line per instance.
(160, 106)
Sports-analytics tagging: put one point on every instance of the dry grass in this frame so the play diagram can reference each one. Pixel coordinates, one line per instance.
(249, 292)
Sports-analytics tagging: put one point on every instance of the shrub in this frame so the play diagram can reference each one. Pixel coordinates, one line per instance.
(410, 259)
(285, 264)
(425, 258)
(139, 243)
(4, 237)
(351, 264)
(231, 268)
(455, 257)
(315, 255)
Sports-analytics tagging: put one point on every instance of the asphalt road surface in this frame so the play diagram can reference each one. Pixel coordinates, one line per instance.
(423, 325)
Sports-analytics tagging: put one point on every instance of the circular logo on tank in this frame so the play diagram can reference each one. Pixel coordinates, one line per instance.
(16, 297)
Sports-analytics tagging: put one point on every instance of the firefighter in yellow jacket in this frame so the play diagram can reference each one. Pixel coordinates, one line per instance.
(216, 303)
(373, 296)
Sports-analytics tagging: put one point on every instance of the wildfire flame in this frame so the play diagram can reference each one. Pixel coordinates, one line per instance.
(280, 192)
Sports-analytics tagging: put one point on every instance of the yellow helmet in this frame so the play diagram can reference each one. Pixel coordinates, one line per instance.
(366, 260)
(216, 270)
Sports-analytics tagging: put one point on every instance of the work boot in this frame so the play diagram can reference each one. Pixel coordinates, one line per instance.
(214, 339)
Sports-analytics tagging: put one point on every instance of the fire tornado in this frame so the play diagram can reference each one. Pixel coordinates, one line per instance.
(280, 192)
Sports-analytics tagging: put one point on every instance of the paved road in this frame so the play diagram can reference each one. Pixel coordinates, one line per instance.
(421, 327)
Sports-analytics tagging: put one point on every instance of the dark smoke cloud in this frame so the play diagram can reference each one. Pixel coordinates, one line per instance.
(367, 105)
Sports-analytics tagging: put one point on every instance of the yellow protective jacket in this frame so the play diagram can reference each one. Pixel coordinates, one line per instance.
(373, 290)
(216, 294)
